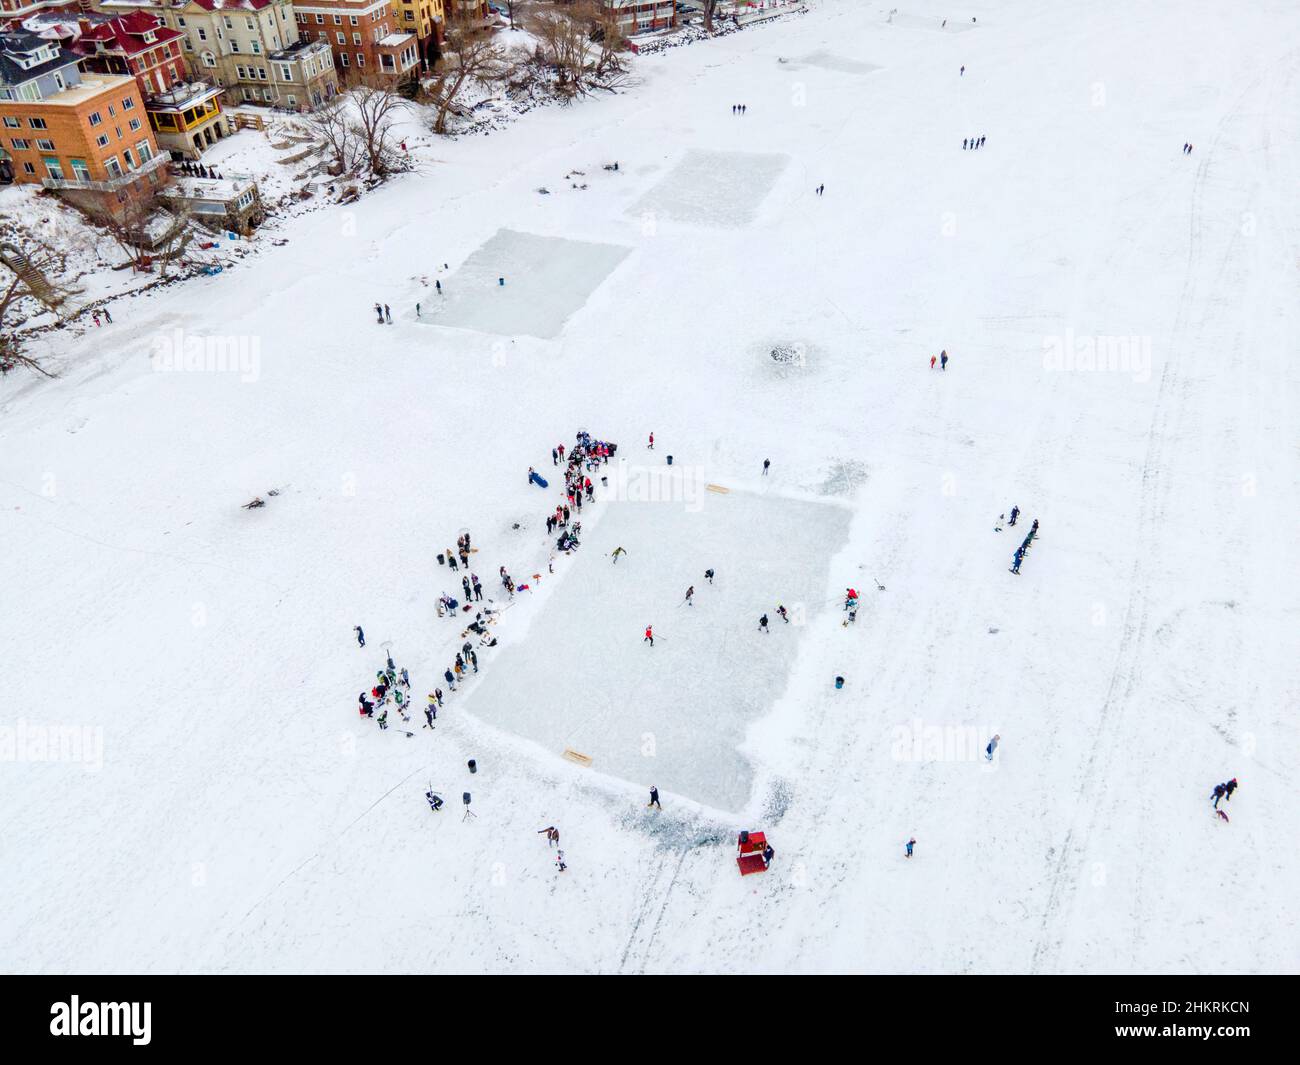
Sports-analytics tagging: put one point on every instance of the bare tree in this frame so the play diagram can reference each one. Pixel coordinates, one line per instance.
(709, 7)
(11, 348)
(376, 105)
(146, 228)
(331, 126)
(611, 42)
(470, 58)
(581, 44)
(563, 40)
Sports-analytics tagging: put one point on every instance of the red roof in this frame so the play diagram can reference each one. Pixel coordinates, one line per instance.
(231, 5)
(127, 34)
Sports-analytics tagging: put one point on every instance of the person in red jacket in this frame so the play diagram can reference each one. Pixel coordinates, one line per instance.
(651, 445)
(649, 635)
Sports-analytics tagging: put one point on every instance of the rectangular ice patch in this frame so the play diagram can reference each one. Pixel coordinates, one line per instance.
(547, 279)
(674, 714)
(713, 188)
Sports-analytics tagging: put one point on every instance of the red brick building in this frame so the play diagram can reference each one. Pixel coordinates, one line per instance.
(139, 44)
(364, 34)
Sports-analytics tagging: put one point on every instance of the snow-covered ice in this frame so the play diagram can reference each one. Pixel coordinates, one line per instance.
(1121, 319)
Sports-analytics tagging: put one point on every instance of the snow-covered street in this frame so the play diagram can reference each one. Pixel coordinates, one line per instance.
(1120, 319)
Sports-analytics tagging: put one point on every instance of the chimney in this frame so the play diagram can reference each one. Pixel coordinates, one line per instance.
(83, 27)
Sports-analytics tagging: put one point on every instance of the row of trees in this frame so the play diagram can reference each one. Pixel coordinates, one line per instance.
(576, 49)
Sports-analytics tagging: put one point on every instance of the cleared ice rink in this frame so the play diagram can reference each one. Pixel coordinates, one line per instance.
(547, 279)
(672, 715)
(713, 188)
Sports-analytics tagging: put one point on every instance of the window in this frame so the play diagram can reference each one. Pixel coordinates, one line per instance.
(229, 25)
(112, 110)
(356, 38)
(209, 60)
(361, 60)
(29, 168)
(12, 123)
(203, 34)
(102, 140)
(21, 144)
(144, 151)
(266, 95)
(343, 59)
(257, 48)
(37, 123)
(45, 145)
(338, 20)
(285, 74)
(180, 21)
(80, 170)
(293, 101)
(342, 38)
(352, 19)
(130, 159)
(249, 23)
(261, 73)
(53, 169)
(135, 124)
(320, 20)
(128, 103)
(240, 72)
(114, 167)
(234, 45)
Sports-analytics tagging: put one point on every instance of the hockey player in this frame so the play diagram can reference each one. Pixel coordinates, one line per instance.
(649, 635)
(708, 575)
(689, 593)
(654, 798)
(1015, 513)
(1219, 791)
(361, 636)
(1229, 788)
(762, 624)
(910, 844)
(615, 553)
(782, 612)
(993, 746)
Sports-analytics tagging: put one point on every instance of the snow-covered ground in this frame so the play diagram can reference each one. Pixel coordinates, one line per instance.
(240, 817)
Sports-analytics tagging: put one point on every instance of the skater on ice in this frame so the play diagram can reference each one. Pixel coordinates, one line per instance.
(993, 746)
(654, 798)
(361, 636)
(649, 635)
(910, 844)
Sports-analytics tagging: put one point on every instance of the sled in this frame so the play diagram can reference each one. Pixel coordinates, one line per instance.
(539, 481)
(717, 488)
(575, 756)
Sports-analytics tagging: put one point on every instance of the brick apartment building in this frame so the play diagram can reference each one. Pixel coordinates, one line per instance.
(642, 16)
(364, 35)
(85, 135)
(138, 43)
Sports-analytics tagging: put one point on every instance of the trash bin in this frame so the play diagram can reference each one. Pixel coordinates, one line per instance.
(473, 765)
(839, 682)
(670, 460)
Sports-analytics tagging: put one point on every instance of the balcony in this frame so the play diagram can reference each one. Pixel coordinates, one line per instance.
(112, 185)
